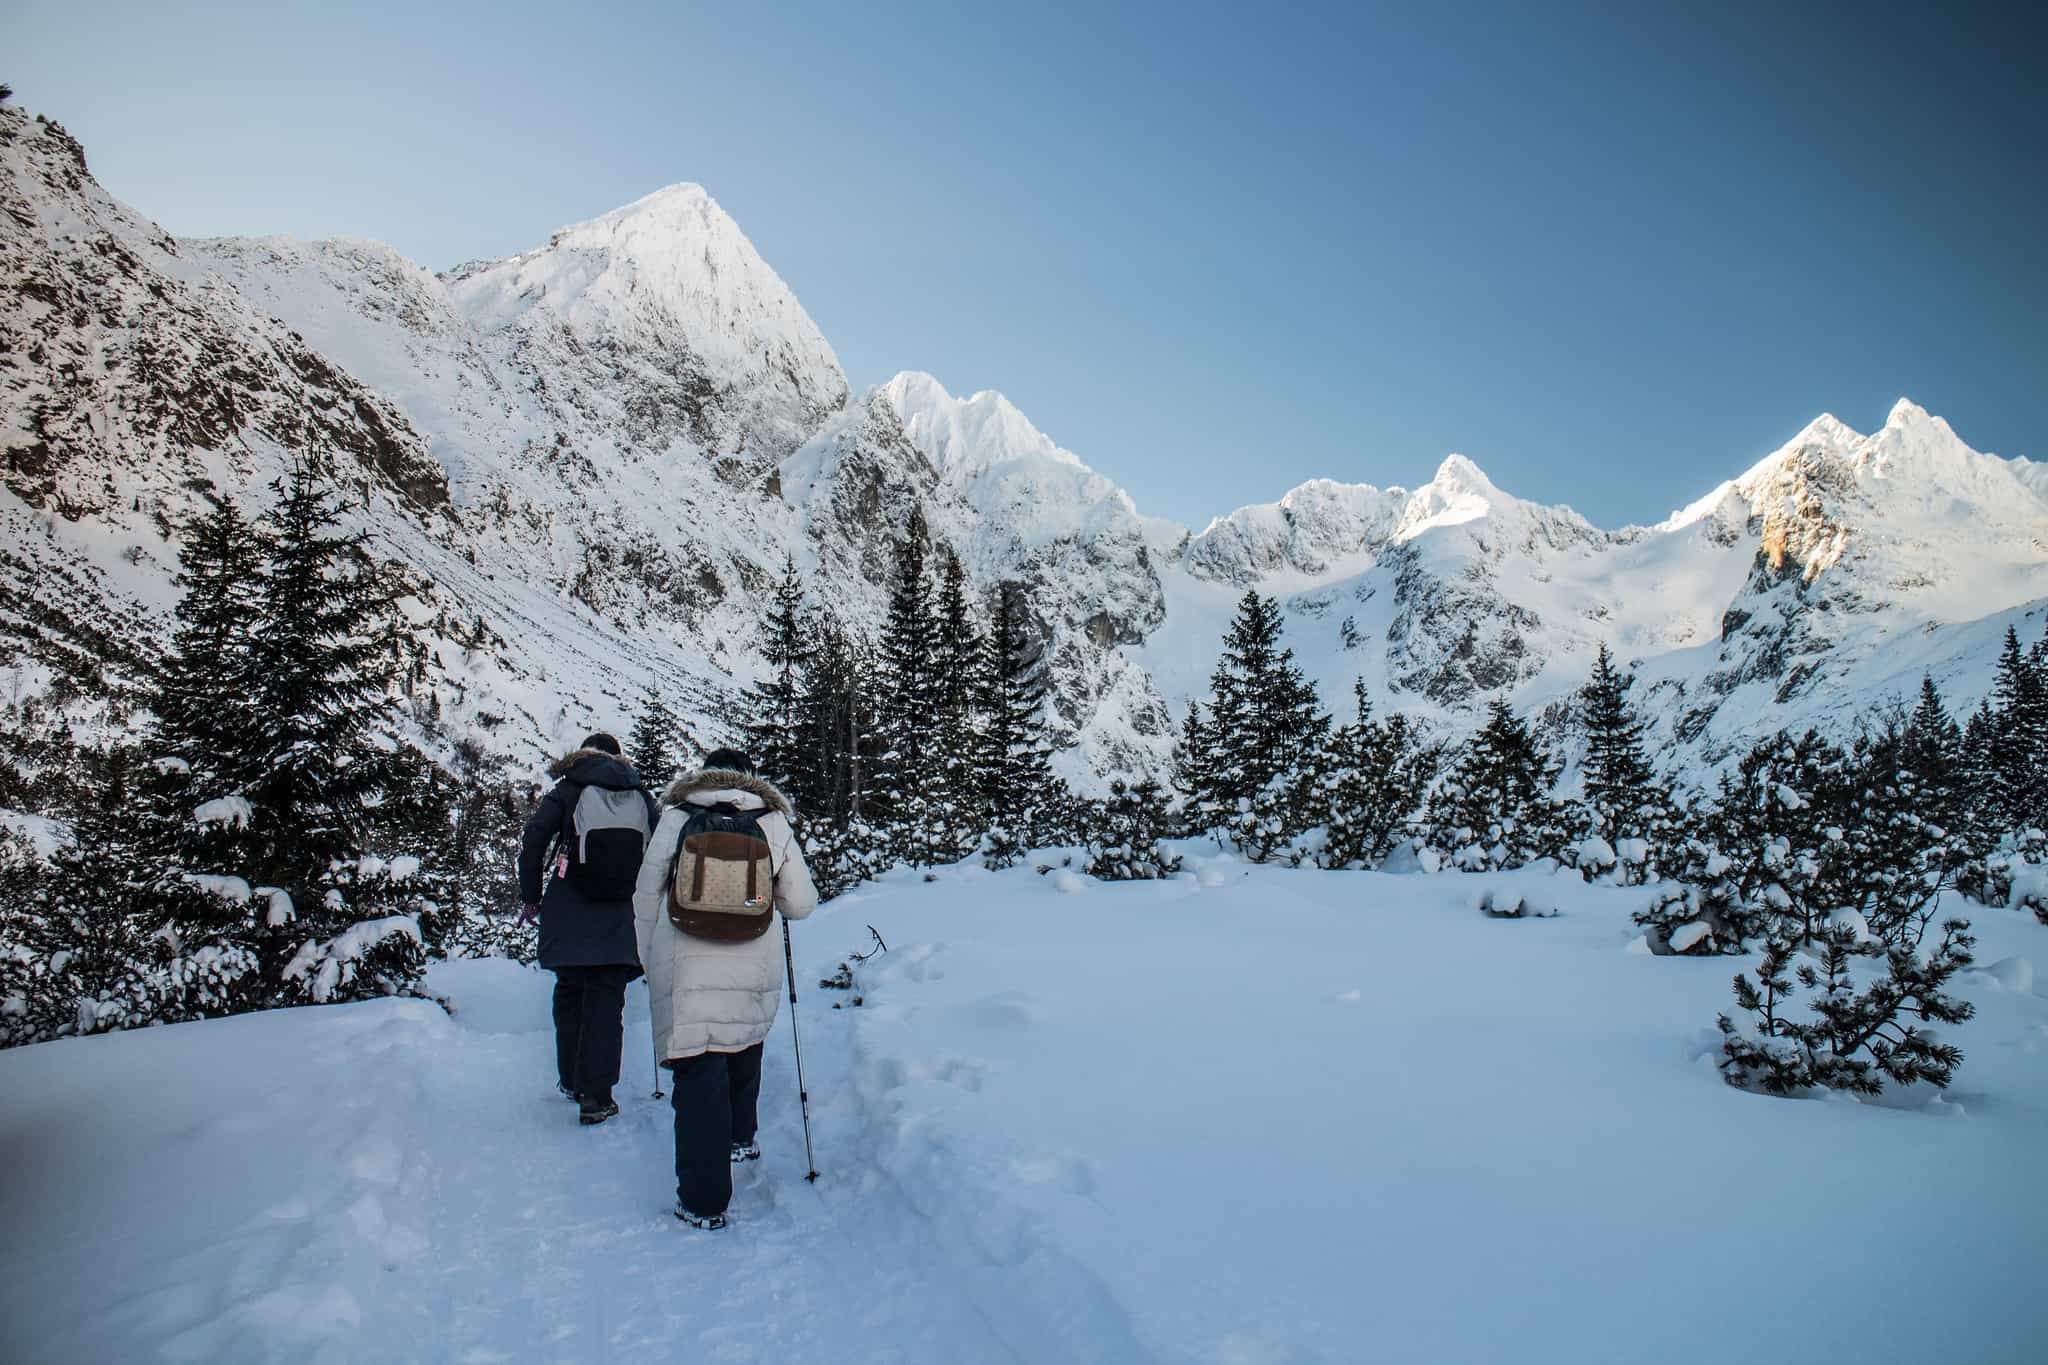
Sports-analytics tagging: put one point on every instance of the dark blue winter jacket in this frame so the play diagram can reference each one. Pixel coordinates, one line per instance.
(576, 931)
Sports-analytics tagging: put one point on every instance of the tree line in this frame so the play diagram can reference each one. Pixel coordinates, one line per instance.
(925, 745)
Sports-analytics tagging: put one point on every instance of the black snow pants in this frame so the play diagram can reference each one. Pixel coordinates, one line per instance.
(717, 1096)
(590, 1007)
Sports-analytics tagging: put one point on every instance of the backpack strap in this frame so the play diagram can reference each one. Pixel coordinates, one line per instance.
(561, 840)
(756, 815)
(675, 855)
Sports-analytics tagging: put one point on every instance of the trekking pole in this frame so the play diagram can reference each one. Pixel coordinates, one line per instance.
(653, 1043)
(803, 1096)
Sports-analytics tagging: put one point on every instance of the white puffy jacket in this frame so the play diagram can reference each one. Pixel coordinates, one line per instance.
(706, 996)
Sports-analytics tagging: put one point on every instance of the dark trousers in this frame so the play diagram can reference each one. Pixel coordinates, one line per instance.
(717, 1096)
(590, 1007)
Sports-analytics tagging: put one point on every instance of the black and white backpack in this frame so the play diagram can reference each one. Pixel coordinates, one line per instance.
(605, 841)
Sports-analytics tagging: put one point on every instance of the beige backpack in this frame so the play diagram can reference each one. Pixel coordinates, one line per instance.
(721, 884)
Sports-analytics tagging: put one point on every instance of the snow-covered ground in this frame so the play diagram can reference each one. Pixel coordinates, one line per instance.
(1246, 1115)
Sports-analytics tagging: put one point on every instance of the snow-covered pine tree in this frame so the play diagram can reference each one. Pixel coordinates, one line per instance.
(1377, 776)
(959, 812)
(1756, 849)
(837, 718)
(191, 814)
(202, 695)
(1933, 756)
(1629, 808)
(313, 763)
(2018, 798)
(771, 712)
(1829, 858)
(408, 864)
(842, 855)
(1974, 765)
(652, 746)
(90, 945)
(906, 772)
(318, 762)
(1857, 1036)
(1891, 858)
(481, 855)
(1761, 1053)
(1267, 732)
(1063, 818)
(1496, 808)
(1014, 764)
(1124, 844)
(1196, 772)
(1998, 852)
(77, 930)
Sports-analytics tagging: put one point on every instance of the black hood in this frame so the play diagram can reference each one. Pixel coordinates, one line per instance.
(596, 768)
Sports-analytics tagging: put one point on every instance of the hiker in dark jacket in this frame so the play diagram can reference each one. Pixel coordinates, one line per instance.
(593, 826)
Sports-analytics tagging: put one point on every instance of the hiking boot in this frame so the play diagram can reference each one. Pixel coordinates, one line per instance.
(589, 1111)
(708, 1222)
(749, 1150)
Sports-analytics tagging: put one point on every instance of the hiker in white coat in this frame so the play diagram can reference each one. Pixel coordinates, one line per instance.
(712, 1003)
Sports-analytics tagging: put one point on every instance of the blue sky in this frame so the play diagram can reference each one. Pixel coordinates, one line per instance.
(1613, 253)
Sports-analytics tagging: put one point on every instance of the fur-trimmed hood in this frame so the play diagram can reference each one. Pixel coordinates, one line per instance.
(595, 768)
(715, 784)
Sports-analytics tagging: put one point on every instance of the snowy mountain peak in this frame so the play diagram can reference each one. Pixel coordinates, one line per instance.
(1826, 430)
(963, 435)
(667, 306)
(680, 224)
(1912, 444)
(1458, 473)
(1316, 528)
(1907, 413)
(1915, 444)
(674, 255)
(1010, 472)
(685, 198)
(1459, 492)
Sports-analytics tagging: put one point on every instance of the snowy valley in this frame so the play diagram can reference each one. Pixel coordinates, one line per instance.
(1424, 932)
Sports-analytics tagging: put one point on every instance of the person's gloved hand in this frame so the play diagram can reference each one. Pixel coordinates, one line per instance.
(529, 912)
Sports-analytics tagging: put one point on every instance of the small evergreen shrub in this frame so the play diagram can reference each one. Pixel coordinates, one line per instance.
(1125, 845)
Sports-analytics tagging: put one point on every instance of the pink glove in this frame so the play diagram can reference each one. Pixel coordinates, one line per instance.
(529, 912)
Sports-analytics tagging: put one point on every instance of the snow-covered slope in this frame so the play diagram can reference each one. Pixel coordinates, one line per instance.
(116, 370)
(1513, 1148)
(1819, 584)
(640, 416)
(601, 450)
(1906, 538)
(1017, 509)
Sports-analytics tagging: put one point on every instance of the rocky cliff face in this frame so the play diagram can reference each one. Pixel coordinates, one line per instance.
(120, 374)
(592, 458)
(1874, 554)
